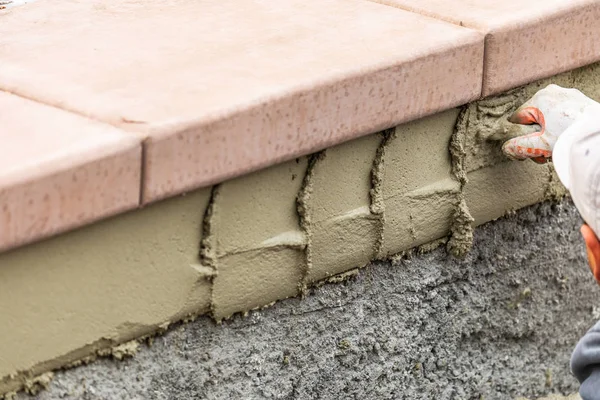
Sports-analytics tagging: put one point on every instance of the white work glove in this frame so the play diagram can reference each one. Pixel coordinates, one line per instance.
(554, 109)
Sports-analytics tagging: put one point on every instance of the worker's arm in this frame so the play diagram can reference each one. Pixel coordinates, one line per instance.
(556, 110)
(585, 364)
(592, 245)
(585, 361)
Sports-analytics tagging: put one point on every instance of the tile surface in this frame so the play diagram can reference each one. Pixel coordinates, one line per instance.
(59, 171)
(526, 40)
(222, 88)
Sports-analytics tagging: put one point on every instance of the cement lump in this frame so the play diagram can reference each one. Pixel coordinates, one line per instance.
(461, 236)
(377, 205)
(303, 204)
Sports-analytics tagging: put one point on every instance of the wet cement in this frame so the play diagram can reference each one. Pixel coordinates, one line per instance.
(499, 324)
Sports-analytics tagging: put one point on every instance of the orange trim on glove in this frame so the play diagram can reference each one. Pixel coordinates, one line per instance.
(593, 250)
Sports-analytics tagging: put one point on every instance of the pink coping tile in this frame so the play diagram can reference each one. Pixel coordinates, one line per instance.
(526, 40)
(221, 88)
(59, 171)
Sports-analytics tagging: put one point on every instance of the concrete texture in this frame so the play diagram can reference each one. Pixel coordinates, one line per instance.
(499, 324)
(573, 396)
(267, 236)
(494, 190)
(276, 231)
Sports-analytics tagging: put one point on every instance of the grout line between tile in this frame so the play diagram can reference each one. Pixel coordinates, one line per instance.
(74, 112)
(422, 14)
(448, 21)
(142, 172)
(82, 115)
(484, 65)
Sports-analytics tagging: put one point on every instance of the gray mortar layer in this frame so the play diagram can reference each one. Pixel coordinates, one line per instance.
(499, 324)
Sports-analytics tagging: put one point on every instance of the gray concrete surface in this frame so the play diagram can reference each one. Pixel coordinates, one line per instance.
(500, 324)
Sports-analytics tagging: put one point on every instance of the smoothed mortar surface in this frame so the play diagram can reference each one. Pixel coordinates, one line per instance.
(335, 210)
(83, 291)
(494, 326)
(259, 246)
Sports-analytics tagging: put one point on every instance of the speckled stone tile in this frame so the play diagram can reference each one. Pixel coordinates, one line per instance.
(59, 171)
(225, 87)
(525, 40)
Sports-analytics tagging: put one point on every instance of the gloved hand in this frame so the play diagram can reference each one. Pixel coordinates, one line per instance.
(554, 109)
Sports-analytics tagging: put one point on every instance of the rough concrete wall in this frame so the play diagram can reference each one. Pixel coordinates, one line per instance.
(267, 236)
(498, 325)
